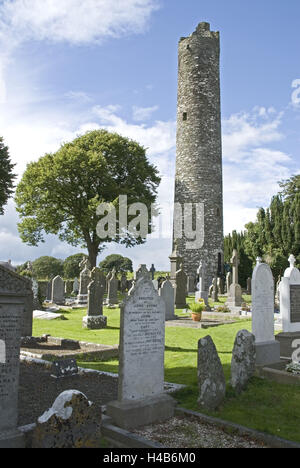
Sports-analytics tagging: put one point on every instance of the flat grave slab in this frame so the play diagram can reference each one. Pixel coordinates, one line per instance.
(50, 348)
(205, 323)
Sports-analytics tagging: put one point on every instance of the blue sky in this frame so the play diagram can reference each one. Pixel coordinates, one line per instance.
(68, 66)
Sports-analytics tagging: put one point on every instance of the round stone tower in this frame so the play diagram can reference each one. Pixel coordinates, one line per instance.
(198, 177)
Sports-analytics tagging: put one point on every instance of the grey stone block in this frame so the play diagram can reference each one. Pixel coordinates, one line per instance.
(286, 341)
(131, 414)
(267, 352)
(12, 439)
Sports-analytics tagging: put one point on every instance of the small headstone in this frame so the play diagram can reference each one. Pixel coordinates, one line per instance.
(211, 379)
(267, 349)
(243, 360)
(112, 295)
(72, 422)
(235, 290)
(95, 320)
(64, 368)
(58, 291)
(180, 289)
(85, 279)
(141, 398)
(249, 289)
(166, 292)
(215, 291)
(75, 286)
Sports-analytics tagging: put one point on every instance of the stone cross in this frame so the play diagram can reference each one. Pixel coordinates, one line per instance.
(258, 260)
(235, 267)
(152, 271)
(96, 289)
(292, 261)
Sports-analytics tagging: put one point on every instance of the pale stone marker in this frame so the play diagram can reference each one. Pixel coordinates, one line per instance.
(112, 295)
(267, 348)
(11, 311)
(58, 291)
(166, 292)
(202, 292)
(289, 294)
(228, 282)
(141, 272)
(95, 319)
(141, 398)
(235, 290)
(75, 286)
(85, 279)
(215, 290)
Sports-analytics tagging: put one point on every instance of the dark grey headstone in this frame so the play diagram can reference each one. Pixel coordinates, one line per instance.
(64, 368)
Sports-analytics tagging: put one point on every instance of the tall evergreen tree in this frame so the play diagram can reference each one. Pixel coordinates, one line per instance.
(6, 176)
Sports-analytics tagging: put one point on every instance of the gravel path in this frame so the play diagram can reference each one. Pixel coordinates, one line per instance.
(190, 433)
(38, 390)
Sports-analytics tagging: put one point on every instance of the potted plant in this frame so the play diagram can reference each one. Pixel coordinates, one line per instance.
(197, 308)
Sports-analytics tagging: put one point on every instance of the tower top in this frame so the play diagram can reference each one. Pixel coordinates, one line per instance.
(203, 29)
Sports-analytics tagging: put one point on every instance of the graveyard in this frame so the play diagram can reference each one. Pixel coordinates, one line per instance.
(149, 287)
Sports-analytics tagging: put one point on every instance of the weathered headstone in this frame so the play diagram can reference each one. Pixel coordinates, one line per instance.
(211, 379)
(267, 348)
(166, 292)
(64, 368)
(155, 284)
(141, 398)
(141, 272)
(49, 290)
(75, 286)
(228, 282)
(243, 360)
(112, 296)
(249, 286)
(180, 289)
(11, 311)
(85, 279)
(72, 422)
(215, 290)
(235, 290)
(15, 286)
(289, 290)
(58, 291)
(190, 284)
(123, 283)
(176, 261)
(95, 319)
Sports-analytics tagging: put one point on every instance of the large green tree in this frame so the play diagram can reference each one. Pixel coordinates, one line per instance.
(59, 193)
(116, 261)
(46, 267)
(6, 176)
(71, 265)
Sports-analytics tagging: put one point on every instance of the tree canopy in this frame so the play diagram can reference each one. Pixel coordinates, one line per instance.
(71, 265)
(6, 176)
(120, 263)
(59, 194)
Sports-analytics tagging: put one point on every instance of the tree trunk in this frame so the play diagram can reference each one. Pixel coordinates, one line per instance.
(93, 254)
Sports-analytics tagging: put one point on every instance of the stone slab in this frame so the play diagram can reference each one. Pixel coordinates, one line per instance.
(12, 440)
(286, 340)
(42, 315)
(131, 414)
(267, 352)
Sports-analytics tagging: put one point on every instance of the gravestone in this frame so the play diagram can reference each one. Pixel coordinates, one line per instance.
(123, 283)
(141, 272)
(58, 291)
(155, 284)
(211, 379)
(267, 348)
(228, 282)
(190, 287)
(15, 286)
(235, 290)
(166, 292)
(108, 277)
(176, 261)
(75, 286)
(141, 397)
(112, 296)
(95, 320)
(180, 289)
(72, 422)
(11, 321)
(68, 288)
(243, 360)
(35, 289)
(220, 284)
(152, 271)
(289, 291)
(64, 368)
(49, 290)
(215, 290)
(84, 281)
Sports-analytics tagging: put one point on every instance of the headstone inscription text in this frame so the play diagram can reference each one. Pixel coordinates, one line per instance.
(295, 302)
(142, 343)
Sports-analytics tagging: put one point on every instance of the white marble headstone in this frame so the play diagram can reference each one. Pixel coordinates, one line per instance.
(263, 303)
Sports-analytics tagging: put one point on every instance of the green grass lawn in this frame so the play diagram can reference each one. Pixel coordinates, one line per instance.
(265, 406)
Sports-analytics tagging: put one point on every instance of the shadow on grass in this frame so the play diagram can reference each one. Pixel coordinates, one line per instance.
(181, 350)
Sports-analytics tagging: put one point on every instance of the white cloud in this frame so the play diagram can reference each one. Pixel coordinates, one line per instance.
(140, 114)
(74, 21)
